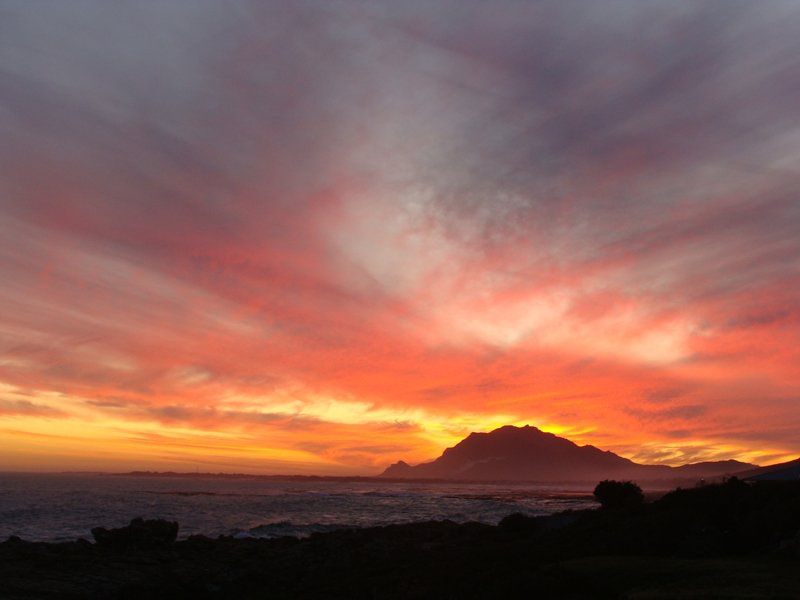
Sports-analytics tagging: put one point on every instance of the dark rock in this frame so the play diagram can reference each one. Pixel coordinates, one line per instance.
(153, 533)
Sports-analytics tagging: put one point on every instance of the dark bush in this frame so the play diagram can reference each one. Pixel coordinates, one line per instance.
(618, 494)
(519, 523)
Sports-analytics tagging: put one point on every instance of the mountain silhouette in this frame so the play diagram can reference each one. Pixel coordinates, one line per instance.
(529, 454)
(786, 471)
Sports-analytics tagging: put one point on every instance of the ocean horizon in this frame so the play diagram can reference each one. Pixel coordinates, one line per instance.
(57, 507)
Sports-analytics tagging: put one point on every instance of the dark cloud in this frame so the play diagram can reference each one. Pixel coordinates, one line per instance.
(107, 403)
(666, 394)
(688, 413)
(381, 449)
(210, 417)
(27, 409)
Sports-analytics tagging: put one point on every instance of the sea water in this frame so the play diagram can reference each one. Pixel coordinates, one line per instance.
(58, 507)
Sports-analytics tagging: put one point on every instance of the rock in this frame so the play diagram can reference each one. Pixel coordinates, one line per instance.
(519, 523)
(153, 533)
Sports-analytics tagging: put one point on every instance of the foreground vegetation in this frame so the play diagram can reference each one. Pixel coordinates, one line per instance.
(731, 540)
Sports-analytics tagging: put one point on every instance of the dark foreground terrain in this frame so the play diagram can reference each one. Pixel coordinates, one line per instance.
(732, 540)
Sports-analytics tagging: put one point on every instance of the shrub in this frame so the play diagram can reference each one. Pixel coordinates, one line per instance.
(519, 523)
(618, 494)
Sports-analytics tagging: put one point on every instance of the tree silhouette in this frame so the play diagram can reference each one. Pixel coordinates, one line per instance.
(618, 494)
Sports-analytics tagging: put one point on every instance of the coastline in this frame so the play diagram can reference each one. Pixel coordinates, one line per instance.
(737, 539)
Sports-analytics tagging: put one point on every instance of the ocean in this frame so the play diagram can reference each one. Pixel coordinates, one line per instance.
(60, 507)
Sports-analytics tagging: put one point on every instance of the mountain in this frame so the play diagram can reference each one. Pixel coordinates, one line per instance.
(712, 468)
(529, 454)
(787, 471)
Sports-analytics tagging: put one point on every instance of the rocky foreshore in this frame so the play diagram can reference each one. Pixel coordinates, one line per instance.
(732, 540)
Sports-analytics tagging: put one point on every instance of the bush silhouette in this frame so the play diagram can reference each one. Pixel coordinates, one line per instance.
(618, 494)
(519, 523)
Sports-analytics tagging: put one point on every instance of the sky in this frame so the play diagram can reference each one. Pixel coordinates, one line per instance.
(320, 237)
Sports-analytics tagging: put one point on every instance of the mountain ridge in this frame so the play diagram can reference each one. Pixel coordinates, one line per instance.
(784, 471)
(527, 453)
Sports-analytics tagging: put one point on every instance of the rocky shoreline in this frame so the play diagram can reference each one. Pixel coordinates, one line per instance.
(731, 540)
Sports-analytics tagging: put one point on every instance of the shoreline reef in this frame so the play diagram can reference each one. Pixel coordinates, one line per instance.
(725, 540)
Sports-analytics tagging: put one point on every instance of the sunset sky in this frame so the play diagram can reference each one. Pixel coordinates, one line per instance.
(319, 237)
